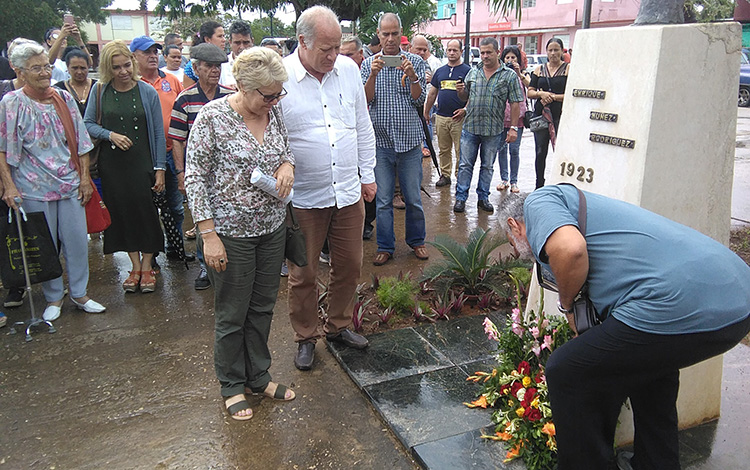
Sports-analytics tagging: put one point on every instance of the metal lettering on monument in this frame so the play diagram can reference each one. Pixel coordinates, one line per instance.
(610, 140)
(583, 93)
(600, 116)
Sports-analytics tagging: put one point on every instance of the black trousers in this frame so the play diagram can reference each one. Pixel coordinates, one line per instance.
(590, 376)
(541, 142)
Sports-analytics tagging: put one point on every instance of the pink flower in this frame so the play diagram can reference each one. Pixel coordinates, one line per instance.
(545, 324)
(517, 329)
(515, 316)
(534, 331)
(536, 349)
(547, 342)
(490, 329)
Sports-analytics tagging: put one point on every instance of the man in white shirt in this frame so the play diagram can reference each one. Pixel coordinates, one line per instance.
(240, 38)
(333, 143)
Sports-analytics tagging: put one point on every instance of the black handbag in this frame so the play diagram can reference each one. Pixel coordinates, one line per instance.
(42, 258)
(528, 115)
(538, 123)
(296, 248)
(583, 311)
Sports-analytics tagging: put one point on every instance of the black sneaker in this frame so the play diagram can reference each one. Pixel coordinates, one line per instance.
(202, 282)
(15, 297)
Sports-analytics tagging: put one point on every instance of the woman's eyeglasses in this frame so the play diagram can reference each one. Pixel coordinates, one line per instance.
(270, 98)
(38, 69)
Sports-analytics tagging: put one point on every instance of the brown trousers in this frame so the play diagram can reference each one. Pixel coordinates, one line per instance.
(343, 228)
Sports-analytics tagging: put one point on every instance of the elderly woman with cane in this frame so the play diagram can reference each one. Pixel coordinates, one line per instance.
(41, 134)
(240, 226)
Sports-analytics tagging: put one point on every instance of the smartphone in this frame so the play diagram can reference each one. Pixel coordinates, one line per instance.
(68, 19)
(392, 60)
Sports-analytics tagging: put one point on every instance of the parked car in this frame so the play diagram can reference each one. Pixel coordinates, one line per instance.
(744, 96)
(534, 60)
(474, 56)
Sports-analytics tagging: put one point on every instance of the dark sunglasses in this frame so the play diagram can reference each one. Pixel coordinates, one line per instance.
(270, 98)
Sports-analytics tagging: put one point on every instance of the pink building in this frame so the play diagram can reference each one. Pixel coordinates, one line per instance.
(541, 20)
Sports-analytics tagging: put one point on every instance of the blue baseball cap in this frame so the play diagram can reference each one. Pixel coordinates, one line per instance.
(142, 43)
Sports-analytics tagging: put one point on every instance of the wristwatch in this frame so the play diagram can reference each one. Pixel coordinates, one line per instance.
(514, 128)
(561, 309)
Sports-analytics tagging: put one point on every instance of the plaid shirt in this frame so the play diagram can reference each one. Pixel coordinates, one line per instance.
(393, 111)
(485, 111)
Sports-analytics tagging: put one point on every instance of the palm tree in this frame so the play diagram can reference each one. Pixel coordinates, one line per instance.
(651, 11)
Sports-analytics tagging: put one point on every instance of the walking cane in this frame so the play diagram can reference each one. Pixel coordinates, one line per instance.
(34, 321)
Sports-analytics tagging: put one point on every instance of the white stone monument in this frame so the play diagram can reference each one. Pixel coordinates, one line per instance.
(649, 117)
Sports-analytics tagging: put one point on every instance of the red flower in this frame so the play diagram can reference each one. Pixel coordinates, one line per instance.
(524, 368)
(528, 397)
(515, 388)
(532, 414)
(505, 389)
(538, 376)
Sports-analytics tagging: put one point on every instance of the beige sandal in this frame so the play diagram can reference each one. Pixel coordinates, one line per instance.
(238, 404)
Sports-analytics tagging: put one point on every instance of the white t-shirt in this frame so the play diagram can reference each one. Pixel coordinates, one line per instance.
(179, 73)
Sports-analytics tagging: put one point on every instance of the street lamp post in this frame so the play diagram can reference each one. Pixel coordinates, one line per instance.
(467, 38)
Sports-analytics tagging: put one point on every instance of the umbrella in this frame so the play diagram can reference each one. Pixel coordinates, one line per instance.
(428, 138)
(174, 237)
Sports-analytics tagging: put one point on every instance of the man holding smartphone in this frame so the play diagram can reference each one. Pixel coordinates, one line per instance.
(395, 88)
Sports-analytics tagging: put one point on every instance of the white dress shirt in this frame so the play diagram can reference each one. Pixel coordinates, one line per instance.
(227, 77)
(330, 134)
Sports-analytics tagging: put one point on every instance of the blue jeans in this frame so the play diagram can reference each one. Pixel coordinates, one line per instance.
(502, 156)
(174, 198)
(470, 146)
(409, 167)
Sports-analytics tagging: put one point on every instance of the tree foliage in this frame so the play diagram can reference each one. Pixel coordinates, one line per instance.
(32, 18)
(412, 14)
(704, 11)
(262, 29)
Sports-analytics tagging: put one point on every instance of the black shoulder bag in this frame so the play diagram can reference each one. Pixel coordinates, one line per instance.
(584, 313)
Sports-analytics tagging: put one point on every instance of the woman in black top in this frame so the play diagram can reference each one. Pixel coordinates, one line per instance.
(79, 84)
(548, 89)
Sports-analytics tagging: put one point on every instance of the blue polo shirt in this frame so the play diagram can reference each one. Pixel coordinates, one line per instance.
(647, 271)
(444, 79)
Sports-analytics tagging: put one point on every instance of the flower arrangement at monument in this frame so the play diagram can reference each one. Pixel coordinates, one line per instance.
(517, 387)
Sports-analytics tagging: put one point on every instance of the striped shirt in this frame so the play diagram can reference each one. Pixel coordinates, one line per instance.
(393, 111)
(186, 108)
(485, 111)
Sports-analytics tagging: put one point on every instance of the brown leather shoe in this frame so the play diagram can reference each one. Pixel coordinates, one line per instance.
(381, 257)
(421, 252)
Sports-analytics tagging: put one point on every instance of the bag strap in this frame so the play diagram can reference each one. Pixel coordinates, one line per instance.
(100, 94)
(290, 211)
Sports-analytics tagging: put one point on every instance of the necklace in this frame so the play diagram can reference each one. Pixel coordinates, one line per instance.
(81, 96)
(128, 98)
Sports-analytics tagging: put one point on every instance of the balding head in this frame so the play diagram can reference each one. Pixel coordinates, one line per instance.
(420, 46)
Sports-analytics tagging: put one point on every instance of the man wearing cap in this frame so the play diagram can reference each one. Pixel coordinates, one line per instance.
(207, 59)
(168, 87)
(405, 45)
(240, 38)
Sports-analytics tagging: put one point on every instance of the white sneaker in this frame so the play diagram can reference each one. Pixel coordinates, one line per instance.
(52, 312)
(91, 306)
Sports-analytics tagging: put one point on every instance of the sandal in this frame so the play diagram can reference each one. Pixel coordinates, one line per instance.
(421, 252)
(502, 186)
(148, 281)
(280, 393)
(514, 188)
(131, 283)
(381, 257)
(237, 404)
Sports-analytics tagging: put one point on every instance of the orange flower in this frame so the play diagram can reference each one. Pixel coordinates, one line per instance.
(549, 429)
(504, 436)
(513, 453)
(480, 402)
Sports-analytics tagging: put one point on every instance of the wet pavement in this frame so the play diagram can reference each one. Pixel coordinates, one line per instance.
(135, 387)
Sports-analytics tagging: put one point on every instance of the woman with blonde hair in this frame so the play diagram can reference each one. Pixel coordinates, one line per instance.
(132, 161)
(241, 227)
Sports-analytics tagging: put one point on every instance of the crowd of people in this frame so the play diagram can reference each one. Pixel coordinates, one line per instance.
(348, 140)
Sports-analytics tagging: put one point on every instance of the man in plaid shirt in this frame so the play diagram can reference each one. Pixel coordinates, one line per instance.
(395, 96)
(487, 87)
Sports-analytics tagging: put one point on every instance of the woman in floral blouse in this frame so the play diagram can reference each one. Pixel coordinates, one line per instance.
(241, 227)
(41, 134)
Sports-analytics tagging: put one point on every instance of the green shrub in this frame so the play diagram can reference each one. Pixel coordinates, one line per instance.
(397, 294)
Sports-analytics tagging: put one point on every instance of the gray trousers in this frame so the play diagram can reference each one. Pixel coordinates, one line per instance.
(244, 298)
(66, 219)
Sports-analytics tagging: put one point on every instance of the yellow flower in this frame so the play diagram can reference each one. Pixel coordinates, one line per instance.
(520, 411)
(526, 381)
(535, 402)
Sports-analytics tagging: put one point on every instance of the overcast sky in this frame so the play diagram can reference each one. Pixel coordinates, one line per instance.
(285, 17)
